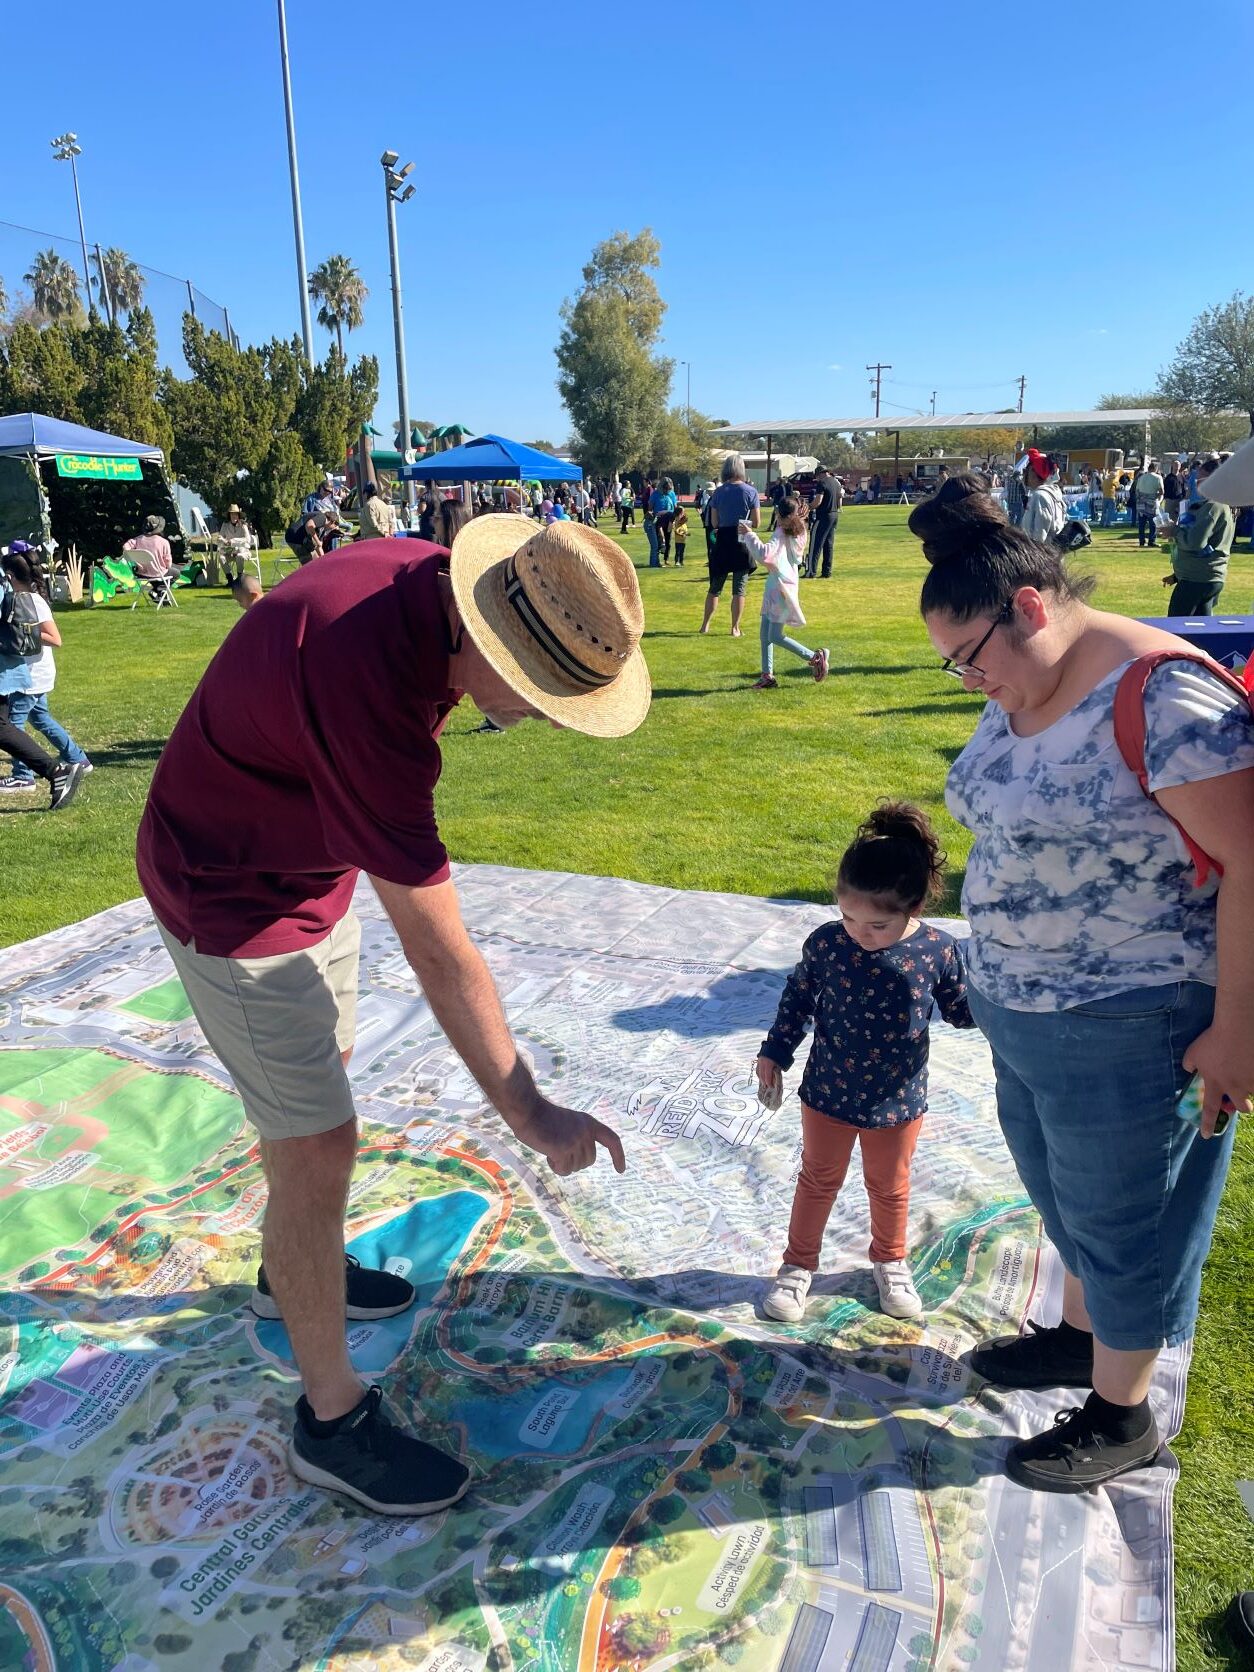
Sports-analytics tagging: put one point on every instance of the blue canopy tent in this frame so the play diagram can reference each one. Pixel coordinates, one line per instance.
(491, 458)
(63, 484)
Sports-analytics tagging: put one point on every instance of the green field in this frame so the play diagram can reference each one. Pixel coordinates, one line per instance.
(166, 1002)
(723, 788)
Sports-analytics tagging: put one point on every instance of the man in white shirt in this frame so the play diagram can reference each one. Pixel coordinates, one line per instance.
(1149, 496)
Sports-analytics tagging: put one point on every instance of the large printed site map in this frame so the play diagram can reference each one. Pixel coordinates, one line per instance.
(664, 1477)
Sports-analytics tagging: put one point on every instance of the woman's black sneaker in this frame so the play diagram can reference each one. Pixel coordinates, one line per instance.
(370, 1293)
(369, 1459)
(1040, 1358)
(1074, 1455)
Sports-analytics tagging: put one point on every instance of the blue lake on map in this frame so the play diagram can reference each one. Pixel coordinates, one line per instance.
(549, 1416)
(420, 1244)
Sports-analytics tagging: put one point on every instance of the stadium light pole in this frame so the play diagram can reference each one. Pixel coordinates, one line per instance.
(66, 149)
(396, 192)
(298, 225)
(687, 365)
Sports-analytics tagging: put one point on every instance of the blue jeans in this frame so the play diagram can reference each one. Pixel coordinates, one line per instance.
(772, 633)
(650, 534)
(31, 708)
(1109, 511)
(1126, 1190)
(1146, 526)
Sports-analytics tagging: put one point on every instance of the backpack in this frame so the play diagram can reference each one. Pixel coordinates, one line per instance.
(17, 638)
(1129, 717)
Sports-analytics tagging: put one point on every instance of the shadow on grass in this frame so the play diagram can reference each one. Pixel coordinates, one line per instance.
(136, 751)
(942, 707)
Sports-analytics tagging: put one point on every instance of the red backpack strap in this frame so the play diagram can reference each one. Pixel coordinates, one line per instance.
(1129, 717)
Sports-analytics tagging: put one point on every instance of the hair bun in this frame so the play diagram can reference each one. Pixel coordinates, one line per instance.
(958, 515)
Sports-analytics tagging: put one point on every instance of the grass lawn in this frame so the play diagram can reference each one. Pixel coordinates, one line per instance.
(723, 788)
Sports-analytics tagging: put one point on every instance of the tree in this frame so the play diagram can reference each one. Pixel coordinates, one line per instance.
(54, 287)
(667, 1509)
(541, 446)
(1213, 370)
(4, 300)
(682, 443)
(121, 278)
(340, 290)
(612, 382)
(623, 1587)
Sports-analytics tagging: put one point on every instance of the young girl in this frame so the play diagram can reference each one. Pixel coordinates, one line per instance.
(782, 557)
(867, 983)
(679, 533)
(30, 706)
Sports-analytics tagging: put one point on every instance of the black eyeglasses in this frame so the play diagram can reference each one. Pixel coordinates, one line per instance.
(961, 670)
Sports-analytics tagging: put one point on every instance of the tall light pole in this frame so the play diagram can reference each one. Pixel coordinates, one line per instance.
(298, 225)
(65, 149)
(398, 192)
(687, 365)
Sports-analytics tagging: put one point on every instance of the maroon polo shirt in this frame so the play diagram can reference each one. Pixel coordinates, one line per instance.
(306, 754)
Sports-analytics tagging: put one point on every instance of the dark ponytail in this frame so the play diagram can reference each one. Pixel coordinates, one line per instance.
(895, 859)
(26, 568)
(979, 558)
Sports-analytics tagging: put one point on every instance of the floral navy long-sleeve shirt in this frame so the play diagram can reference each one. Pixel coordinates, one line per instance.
(868, 1063)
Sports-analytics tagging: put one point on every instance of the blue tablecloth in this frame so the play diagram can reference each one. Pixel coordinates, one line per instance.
(1228, 638)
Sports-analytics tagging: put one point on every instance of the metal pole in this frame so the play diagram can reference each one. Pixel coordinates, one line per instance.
(105, 292)
(298, 227)
(191, 296)
(688, 401)
(398, 327)
(82, 235)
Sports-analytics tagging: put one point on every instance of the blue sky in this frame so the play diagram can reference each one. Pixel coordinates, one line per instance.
(968, 198)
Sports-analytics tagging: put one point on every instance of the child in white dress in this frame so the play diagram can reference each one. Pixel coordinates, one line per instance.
(783, 557)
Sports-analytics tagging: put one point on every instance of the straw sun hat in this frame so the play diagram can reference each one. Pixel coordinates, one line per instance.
(556, 610)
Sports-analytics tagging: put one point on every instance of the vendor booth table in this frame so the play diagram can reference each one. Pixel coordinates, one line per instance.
(1227, 638)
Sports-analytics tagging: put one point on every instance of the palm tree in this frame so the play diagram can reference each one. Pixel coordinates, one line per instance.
(4, 300)
(123, 281)
(54, 286)
(339, 287)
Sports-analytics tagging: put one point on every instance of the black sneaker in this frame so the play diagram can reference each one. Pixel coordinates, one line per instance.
(371, 1460)
(370, 1293)
(1241, 1621)
(65, 783)
(1073, 1456)
(1037, 1359)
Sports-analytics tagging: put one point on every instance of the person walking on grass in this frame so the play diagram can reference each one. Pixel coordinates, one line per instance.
(679, 531)
(734, 501)
(1202, 544)
(20, 646)
(1106, 971)
(782, 557)
(871, 976)
(30, 707)
(1149, 492)
(258, 823)
(825, 514)
(663, 503)
(626, 507)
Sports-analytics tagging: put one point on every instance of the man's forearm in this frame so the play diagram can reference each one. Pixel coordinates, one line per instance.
(465, 1002)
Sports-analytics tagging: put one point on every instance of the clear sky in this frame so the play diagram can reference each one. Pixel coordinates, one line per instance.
(980, 193)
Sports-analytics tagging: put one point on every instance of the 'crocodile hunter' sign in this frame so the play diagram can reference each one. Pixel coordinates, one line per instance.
(98, 467)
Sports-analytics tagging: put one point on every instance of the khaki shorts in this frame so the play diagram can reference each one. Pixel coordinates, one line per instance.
(278, 1026)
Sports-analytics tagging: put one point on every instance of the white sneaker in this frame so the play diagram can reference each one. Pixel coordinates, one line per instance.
(786, 1298)
(898, 1295)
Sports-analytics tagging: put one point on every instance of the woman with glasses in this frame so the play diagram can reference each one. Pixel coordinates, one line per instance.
(1102, 977)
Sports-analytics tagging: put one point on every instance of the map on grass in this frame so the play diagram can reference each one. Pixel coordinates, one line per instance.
(664, 1478)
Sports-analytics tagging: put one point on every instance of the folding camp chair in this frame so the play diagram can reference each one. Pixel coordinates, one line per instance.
(159, 590)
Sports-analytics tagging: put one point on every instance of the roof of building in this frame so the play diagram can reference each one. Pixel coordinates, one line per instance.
(945, 421)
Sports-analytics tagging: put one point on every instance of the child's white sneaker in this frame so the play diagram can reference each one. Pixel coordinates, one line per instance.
(786, 1298)
(898, 1295)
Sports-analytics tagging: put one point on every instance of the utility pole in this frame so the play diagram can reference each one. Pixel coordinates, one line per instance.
(879, 368)
(1023, 383)
(933, 403)
(687, 365)
(398, 192)
(298, 225)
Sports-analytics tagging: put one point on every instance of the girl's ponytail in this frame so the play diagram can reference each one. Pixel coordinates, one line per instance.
(895, 858)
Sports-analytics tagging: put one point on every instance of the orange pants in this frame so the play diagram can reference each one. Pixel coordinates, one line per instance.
(826, 1146)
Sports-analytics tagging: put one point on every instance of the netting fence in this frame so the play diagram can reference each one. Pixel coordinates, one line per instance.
(167, 296)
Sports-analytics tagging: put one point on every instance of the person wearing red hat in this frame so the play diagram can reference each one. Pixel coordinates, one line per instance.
(1046, 508)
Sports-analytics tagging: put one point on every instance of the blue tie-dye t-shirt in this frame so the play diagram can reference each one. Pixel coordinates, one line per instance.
(1078, 886)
